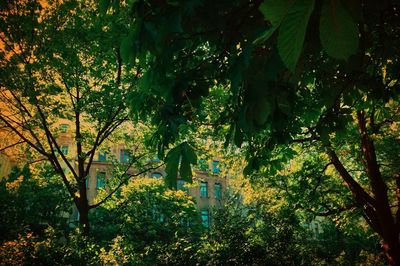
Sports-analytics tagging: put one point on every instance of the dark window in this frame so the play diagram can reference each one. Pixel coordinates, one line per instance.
(203, 166)
(205, 218)
(156, 175)
(124, 156)
(203, 189)
(215, 167)
(64, 128)
(218, 190)
(101, 180)
(102, 156)
(181, 186)
(64, 150)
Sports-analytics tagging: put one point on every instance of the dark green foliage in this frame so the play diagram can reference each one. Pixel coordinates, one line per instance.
(30, 203)
(311, 72)
(182, 157)
(149, 224)
(249, 235)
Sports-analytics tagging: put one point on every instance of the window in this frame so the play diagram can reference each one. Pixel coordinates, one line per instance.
(181, 186)
(124, 156)
(156, 175)
(218, 191)
(203, 165)
(157, 214)
(205, 218)
(203, 189)
(101, 180)
(64, 128)
(215, 167)
(87, 181)
(64, 150)
(102, 156)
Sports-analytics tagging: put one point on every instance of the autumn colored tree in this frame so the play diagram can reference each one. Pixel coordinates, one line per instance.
(59, 62)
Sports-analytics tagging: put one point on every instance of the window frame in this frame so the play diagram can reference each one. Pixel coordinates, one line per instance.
(102, 156)
(124, 156)
(64, 149)
(203, 187)
(218, 195)
(215, 168)
(103, 176)
(205, 222)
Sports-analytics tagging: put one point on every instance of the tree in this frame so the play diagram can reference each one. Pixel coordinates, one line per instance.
(151, 224)
(59, 62)
(30, 203)
(322, 73)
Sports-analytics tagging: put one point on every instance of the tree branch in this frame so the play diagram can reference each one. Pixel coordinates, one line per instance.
(123, 182)
(12, 145)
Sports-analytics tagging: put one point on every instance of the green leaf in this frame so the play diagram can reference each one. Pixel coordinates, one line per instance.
(292, 32)
(238, 137)
(188, 157)
(103, 6)
(323, 131)
(275, 11)
(263, 109)
(127, 47)
(182, 156)
(338, 31)
(265, 35)
(172, 163)
(185, 170)
(189, 153)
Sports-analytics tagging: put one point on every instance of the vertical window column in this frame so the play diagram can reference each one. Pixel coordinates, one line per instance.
(203, 189)
(205, 218)
(215, 168)
(101, 180)
(218, 191)
(124, 156)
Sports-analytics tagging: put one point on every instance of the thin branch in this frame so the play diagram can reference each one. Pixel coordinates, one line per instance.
(12, 145)
(37, 148)
(319, 178)
(122, 183)
(330, 211)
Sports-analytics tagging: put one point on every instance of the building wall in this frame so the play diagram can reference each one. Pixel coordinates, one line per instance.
(208, 174)
(6, 165)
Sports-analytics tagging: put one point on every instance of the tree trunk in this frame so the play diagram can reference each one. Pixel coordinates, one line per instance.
(83, 209)
(84, 221)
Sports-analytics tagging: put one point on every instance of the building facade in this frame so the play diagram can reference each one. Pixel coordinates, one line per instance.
(208, 187)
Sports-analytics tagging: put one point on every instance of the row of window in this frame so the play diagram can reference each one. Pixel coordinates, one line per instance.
(101, 181)
(204, 166)
(204, 190)
(124, 157)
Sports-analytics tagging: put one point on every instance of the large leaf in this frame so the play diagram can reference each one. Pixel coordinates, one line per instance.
(275, 11)
(292, 32)
(338, 31)
(172, 163)
(181, 157)
(127, 47)
(188, 157)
